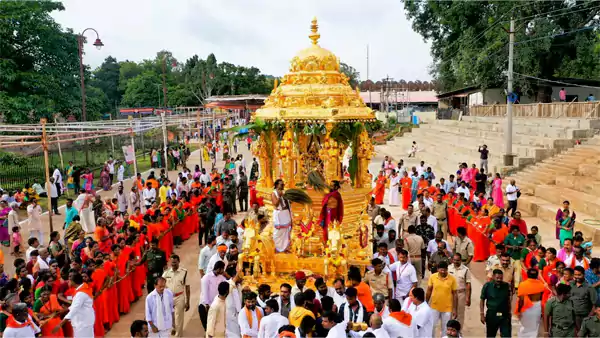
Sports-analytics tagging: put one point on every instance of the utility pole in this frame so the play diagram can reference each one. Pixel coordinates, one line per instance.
(508, 156)
(164, 79)
(47, 169)
(369, 89)
(165, 141)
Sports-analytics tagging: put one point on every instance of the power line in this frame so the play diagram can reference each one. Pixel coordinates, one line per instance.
(555, 35)
(568, 9)
(554, 81)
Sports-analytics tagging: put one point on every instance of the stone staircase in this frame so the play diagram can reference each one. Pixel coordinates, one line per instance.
(573, 175)
(445, 143)
(549, 167)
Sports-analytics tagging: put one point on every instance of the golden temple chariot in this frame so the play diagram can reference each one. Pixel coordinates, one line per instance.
(310, 121)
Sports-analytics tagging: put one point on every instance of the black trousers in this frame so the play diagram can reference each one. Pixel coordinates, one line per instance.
(204, 232)
(243, 203)
(203, 312)
(58, 189)
(54, 204)
(512, 205)
(111, 176)
(494, 324)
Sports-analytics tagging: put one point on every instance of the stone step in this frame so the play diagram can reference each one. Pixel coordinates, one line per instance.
(472, 144)
(540, 122)
(546, 211)
(580, 201)
(498, 136)
(579, 183)
(591, 170)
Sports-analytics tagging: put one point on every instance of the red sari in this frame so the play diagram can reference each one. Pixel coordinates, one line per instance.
(480, 239)
(112, 307)
(166, 242)
(547, 272)
(98, 278)
(422, 185)
(67, 328)
(103, 246)
(380, 189)
(498, 237)
(124, 287)
(52, 306)
(139, 274)
(187, 226)
(406, 183)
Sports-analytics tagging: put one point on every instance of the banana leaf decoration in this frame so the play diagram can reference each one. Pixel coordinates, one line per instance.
(348, 134)
(297, 196)
(317, 181)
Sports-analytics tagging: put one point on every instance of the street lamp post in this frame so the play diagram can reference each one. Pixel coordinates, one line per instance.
(98, 43)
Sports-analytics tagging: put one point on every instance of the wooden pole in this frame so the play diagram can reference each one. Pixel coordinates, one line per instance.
(112, 140)
(62, 163)
(45, 146)
(199, 141)
(133, 147)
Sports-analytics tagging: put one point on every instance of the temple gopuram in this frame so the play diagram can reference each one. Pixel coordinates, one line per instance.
(310, 122)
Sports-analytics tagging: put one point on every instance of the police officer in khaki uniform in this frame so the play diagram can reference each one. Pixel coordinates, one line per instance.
(439, 209)
(177, 282)
(463, 279)
(464, 246)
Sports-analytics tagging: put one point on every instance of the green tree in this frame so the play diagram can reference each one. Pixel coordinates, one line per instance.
(352, 74)
(469, 41)
(106, 78)
(143, 90)
(38, 62)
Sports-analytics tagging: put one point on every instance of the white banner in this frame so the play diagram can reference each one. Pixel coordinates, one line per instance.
(128, 153)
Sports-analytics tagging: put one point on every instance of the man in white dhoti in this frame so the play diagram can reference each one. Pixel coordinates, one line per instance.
(160, 309)
(83, 203)
(394, 189)
(20, 324)
(218, 316)
(34, 214)
(529, 304)
(273, 320)
(81, 312)
(250, 317)
(282, 218)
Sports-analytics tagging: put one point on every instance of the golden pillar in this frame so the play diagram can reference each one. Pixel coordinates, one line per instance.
(286, 152)
(299, 150)
(365, 153)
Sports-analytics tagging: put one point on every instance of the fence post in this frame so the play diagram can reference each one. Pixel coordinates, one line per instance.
(47, 168)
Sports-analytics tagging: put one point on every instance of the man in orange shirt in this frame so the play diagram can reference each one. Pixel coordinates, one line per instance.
(363, 290)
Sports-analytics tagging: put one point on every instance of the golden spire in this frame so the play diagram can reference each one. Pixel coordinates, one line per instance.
(314, 28)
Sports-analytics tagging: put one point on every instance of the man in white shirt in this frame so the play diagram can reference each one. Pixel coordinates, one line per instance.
(421, 168)
(272, 321)
(406, 276)
(159, 309)
(463, 188)
(111, 170)
(58, 180)
(329, 322)
(218, 257)
(431, 220)
(206, 253)
(324, 290)
(300, 283)
(399, 323)
(81, 312)
(23, 325)
(217, 318)
(427, 200)
(375, 323)
(512, 194)
(432, 246)
(148, 195)
(205, 178)
(249, 317)
(53, 197)
(422, 314)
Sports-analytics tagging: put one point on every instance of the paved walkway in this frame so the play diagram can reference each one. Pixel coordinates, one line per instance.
(188, 253)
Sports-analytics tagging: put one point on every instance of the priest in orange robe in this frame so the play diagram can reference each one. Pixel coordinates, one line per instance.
(379, 191)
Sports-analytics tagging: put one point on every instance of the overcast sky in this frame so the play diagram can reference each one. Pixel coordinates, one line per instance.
(261, 33)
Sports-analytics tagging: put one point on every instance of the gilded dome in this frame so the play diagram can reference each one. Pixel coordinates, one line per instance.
(314, 89)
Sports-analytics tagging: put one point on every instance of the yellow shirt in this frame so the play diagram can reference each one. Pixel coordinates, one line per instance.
(297, 314)
(441, 295)
(162, 193)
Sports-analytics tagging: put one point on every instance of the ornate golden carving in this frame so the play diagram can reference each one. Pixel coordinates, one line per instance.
(365, 153)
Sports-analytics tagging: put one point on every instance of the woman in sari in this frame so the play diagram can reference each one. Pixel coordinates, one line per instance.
(138, 275)
(481, 242)
(165, 238)
(498, 233)
(379, 191)
(552, 270)
(88, 180)
(49, 311)
(225, 152)
(102, 236)
(177, 216)
(4, 234)
(394, 197)
(422, 185)
(89, 251)
(124, 287)
(78, 244)
(497, 194)
(112, 306)
(530, 257)
(70, 180)
(406, 183)
(99, 284)
(566, 227)
(105, 179)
